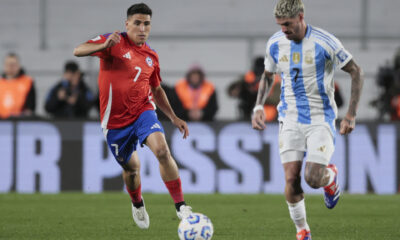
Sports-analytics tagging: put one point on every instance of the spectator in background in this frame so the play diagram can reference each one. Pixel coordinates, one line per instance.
(71, 97)
(388, 80)
(196, 97)
(395, 101)
(245, 89)
(17, 90)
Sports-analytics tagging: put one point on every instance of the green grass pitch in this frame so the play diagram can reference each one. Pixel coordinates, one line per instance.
(108, 216)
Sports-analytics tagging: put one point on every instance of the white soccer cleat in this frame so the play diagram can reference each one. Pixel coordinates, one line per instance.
(184, 212)
(140, 216)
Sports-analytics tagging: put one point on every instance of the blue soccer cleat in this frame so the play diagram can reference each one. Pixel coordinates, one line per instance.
(332, 191)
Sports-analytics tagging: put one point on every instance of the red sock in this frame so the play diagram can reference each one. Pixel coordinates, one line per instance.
(136, 195)
(175, 190)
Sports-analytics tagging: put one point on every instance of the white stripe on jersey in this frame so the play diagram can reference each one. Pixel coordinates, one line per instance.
(151, 101)
(106, 115)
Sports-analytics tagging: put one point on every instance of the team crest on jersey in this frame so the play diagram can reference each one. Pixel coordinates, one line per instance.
(309, 57)
(296, 57)
(149, 61)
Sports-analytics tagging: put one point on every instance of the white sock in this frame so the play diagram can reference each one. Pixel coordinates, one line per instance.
(331, 176)
(298, 214)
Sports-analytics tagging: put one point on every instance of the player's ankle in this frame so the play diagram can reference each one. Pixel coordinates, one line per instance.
(179, 204)
(138, 204)
(331, 176)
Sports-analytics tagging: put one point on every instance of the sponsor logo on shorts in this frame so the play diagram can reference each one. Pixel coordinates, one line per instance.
(155, 125)
(120, 159)
(322, 148)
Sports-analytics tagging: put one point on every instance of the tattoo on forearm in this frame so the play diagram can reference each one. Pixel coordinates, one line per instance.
(356, 87)
(263, 89)
(350, 122)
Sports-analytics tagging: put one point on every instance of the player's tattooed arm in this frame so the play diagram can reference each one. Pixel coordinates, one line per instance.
(86, 49)
(162, 102)
(348, 123)
(264, 87)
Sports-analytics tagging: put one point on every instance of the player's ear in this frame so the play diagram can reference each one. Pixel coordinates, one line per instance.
(301, 16)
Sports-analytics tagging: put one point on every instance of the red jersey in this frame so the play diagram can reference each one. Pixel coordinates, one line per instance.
(126, 74)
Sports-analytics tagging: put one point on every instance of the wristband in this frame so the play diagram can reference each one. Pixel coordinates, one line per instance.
(258, 107)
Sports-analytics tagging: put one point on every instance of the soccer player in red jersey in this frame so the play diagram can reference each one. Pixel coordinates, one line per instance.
(129, 81)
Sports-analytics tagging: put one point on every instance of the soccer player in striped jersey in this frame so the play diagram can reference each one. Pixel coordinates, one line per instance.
(306, 57)
(129, 81)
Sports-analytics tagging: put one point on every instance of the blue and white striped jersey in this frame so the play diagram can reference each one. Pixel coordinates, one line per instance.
(306, 69)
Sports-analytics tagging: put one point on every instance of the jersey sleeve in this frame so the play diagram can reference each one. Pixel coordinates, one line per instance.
(340, 56)
(271, 57)
(155, 78)
(98, 40)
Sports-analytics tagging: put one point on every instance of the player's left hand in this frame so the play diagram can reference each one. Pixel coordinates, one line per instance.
(347, 125)
(182, 126)
(258, 120)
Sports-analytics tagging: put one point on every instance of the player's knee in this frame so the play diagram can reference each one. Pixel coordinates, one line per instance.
(162, 154)
(293, 181)
(313, 180)
(314, 174)
(132, 172)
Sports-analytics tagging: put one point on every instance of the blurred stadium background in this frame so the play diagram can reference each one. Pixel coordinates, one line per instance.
(222, 36)
(224, 156)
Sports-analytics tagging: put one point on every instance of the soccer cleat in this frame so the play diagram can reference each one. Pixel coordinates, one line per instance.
(332, 191)
(184, 212)
(303, 235)
(140, 216)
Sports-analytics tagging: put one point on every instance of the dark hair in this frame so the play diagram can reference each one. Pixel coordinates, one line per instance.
(195, 70)
(71, 66)
(12, 54)
(139, 8)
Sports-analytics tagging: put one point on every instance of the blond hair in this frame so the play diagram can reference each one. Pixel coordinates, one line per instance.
(288, 8)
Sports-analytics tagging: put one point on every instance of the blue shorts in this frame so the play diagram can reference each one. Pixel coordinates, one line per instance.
(122, 141)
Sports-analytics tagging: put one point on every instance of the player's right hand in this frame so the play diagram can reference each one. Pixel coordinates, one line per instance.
(113, 39)
(258, 120)
(182, 126)
(347, 125)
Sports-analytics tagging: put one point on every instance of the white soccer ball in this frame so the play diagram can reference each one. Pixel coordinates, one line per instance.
(196, 227)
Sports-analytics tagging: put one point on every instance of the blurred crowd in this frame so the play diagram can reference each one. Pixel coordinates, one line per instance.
(193, 97)
(388, 81)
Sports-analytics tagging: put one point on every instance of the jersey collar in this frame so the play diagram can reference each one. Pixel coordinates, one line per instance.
(308, 31)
